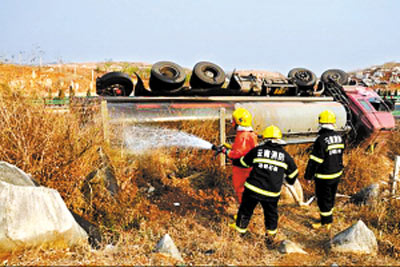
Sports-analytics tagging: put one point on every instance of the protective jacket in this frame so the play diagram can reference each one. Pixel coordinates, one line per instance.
(326, 166)
(270, 164)
(326, 157)
(245, 140)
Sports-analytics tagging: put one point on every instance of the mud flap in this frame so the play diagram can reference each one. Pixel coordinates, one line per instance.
(140, 89)
(234, 82)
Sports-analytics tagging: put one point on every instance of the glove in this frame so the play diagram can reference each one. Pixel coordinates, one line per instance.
(228, 146)
(220, 149)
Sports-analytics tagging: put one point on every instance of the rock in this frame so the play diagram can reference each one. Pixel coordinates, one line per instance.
(287, 247)
(13, 175)
(101, 179)
(167, 246)
(367, 195)
(355, 239)
(32, 216)
(151, 189)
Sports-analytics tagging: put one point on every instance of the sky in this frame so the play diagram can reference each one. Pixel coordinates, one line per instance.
(274, 35)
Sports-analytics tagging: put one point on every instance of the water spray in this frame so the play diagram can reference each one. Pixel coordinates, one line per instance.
(143, 138)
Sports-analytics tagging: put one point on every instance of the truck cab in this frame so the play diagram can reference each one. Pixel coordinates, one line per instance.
(372, 118)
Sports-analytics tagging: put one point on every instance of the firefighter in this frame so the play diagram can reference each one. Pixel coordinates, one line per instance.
(245, 140)
(325, 166)
(270, 164)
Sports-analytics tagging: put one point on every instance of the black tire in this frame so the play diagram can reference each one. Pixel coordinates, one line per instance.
(114, 84)
(303, 77)
(207, 75)
(340, 76)
(166, 76)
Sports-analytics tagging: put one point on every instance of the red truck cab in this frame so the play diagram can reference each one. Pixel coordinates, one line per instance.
(372, 118)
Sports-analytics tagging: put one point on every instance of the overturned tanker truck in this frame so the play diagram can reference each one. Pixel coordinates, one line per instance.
(292, 103)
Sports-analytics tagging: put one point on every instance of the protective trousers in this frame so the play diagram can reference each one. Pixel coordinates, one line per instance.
(245, 140)
(239, 176)
(249, 203)
(326, 191)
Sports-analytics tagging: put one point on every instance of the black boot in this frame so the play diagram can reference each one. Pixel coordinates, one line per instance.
(270, 241)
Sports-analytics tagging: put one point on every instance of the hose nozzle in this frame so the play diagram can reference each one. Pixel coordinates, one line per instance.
(218, 149)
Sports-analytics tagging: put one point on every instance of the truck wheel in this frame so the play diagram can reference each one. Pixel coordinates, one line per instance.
(166, 76)
(207, 75)
(114, 84)
(303, 77)
(339, 76)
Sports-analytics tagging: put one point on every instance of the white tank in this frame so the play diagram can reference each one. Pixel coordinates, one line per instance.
(297, 117)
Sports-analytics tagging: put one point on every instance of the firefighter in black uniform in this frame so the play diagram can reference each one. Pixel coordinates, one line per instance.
(325, 166)
(270, 164)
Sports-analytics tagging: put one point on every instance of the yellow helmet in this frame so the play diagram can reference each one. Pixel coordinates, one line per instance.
(272, 132)
(327, 116)
(242, 117)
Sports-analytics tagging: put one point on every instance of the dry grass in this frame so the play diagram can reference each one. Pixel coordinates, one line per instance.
(60, 150)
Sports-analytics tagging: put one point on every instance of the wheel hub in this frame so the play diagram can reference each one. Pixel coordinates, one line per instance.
(114, 90)
(335, 77)
(304, 76)
(210, 73)
(168, 72)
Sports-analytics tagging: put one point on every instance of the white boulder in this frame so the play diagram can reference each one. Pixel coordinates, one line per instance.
(167, 246)
(356, 239)
(32, 216)
(13, 175)
(288, 247)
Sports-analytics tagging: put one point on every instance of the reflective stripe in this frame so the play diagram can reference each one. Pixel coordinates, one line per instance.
(261, 191)
(244, 163)
(293, 174)
(335, 146)
(329, 176)
(271, 161)
(326, 214)
(316, 159)
(240, 230)
(272, 232)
